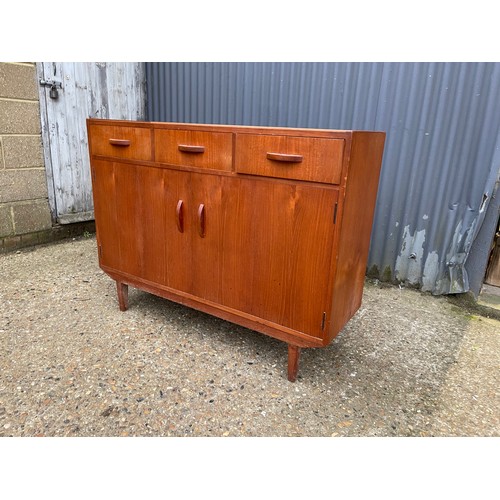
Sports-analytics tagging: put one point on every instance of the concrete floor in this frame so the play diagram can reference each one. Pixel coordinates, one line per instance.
(407, 364)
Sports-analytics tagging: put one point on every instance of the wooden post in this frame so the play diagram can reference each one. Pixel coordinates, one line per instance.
(122, 290)
(293, 362)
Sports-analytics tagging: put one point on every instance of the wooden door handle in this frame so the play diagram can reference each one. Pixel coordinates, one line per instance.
(201, 220)
(120, 142)
(187, 148)
(285, 157)
(180, 216)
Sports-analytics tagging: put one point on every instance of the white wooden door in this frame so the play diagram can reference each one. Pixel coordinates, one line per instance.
(99, 90)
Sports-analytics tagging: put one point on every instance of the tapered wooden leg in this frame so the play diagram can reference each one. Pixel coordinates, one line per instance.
(122, 290)
(293, 362)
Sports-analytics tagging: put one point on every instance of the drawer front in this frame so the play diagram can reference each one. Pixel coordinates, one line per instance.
(121, 142)
(302, 158)
(192, 148)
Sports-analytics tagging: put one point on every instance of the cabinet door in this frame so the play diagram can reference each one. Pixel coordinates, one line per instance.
(127, 203)
(205, 215)
(160, 225)
(147, 235)
(276, 251)
(104, 193)
(193, 233)
(177, 244)
(130, 218)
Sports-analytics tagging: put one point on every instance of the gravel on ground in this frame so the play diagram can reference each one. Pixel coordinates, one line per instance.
(72, 364)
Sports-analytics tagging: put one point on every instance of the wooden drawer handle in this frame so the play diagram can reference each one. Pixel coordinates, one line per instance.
(186, 148)
(285, 157)
(120, 142)
(179, 211)
(201, 220)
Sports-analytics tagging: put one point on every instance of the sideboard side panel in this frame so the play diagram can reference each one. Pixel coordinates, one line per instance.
(357, 219)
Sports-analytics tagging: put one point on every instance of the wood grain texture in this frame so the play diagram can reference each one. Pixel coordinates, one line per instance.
(239, 129)
(293, 362)
(149, 231)
(193, 148)
(205, 234)
(122, 291)
(107, 228)
(137, 140)
(168, 247)
(320, 159)
(176, 244)
(216, 309)
(285, 256)
(276, 249)
(356, 226)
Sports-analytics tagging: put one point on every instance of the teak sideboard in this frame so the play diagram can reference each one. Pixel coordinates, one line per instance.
(268, 228)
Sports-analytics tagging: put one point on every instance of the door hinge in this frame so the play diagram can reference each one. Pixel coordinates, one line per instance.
(323, 321)
(335, 213)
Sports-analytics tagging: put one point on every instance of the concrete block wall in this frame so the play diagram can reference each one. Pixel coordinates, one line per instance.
(24, 207)
(25, 218)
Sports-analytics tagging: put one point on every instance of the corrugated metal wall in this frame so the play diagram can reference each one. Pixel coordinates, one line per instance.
(442, 151)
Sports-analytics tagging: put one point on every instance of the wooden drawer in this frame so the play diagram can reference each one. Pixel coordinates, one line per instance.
(121, 142)
(287, 157)
(192, 148)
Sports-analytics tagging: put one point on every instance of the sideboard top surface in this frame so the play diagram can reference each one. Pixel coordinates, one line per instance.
(234, 128)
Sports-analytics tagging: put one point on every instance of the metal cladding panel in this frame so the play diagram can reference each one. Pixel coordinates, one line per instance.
(441, 157)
